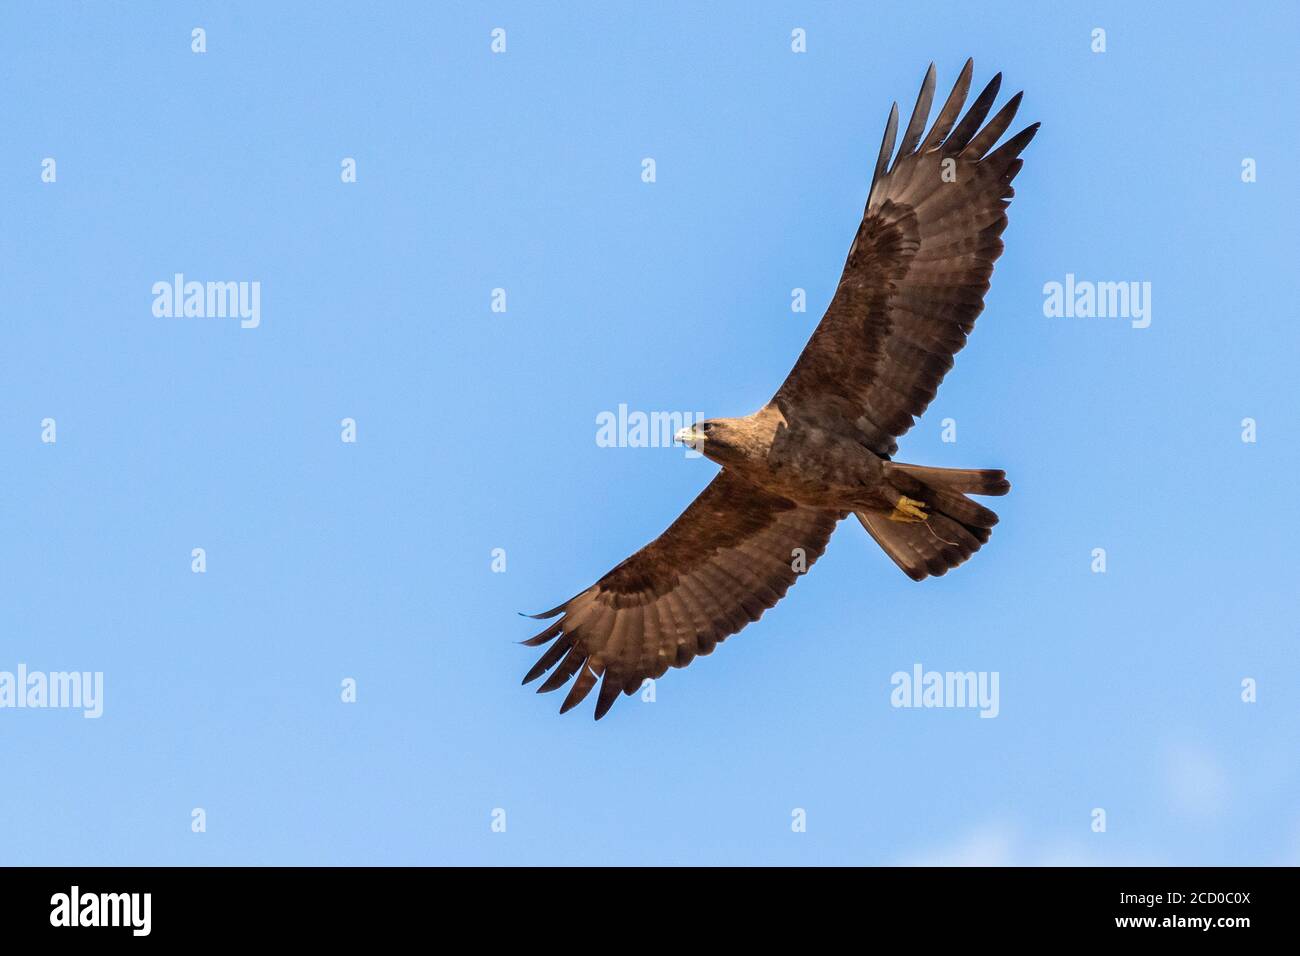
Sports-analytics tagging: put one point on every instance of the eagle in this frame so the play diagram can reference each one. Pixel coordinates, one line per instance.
(823, 447)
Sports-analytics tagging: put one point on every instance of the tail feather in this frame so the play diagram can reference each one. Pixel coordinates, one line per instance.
(966, 481)
(956, 526)
(960, 507)
(923, 548)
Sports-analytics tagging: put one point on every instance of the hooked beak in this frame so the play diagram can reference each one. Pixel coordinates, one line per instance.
(689, 436)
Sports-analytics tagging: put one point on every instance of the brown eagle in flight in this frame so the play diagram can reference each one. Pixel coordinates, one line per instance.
(912, 287)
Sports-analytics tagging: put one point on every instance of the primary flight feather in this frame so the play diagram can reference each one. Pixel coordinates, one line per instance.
(911, 289)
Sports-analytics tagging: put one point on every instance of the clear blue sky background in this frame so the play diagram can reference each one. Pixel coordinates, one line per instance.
(477, 431)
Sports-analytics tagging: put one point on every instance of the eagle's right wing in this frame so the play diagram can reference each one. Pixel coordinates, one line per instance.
(729, 557)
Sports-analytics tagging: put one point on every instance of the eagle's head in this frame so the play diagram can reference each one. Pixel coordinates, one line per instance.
(724, 440)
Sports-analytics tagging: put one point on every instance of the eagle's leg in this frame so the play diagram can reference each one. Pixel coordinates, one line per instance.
(908, 510)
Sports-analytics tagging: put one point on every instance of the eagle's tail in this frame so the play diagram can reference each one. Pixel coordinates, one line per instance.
(953, 528)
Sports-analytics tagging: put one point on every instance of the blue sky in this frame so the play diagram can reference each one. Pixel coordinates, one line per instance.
(476, 430)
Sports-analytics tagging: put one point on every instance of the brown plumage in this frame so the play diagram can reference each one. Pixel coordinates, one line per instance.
(911, 289)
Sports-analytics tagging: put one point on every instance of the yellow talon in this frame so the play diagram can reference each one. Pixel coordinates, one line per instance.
(908, 510)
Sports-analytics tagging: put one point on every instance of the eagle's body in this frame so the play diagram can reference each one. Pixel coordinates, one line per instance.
(808, 461)
(822, 448)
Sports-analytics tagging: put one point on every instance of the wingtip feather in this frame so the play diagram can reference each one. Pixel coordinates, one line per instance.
(920, 113)
(886, 145)
(544, 615)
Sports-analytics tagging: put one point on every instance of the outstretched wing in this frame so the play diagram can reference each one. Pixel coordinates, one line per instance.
(917, 271)
(729, 557)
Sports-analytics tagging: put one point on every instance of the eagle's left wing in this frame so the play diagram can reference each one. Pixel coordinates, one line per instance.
(729, 557)
(917, 271)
